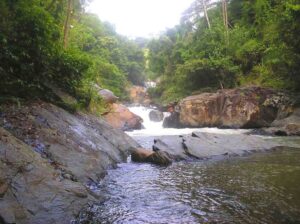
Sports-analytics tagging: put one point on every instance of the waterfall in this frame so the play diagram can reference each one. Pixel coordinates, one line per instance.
(156, 128)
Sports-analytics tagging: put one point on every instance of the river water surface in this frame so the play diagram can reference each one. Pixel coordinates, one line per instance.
(260, 188)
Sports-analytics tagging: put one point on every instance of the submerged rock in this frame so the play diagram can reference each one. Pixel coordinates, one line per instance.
(156, 116)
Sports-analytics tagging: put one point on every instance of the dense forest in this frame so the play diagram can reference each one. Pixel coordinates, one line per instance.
(225, 44)
(52, 42)
(218, 44)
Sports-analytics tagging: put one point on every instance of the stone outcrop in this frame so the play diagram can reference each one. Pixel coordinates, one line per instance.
(249, 107)
(50, 159)
(122, 118)
(156, 116)
(139, 95)
(31, 191)
(118, 115)
(287, 126)
(207, 145)
(107, 95)
(148, 156)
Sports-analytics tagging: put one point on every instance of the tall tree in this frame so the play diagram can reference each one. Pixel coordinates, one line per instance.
(225, 19)
(204, 5)
(67, 23)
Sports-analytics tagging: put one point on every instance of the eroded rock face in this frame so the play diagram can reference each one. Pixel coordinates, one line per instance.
(287, 126)
(236, 108)
(31, 190)
(156, 116)
(122, 118)
(139, 95)
(249, 107)
(49, 158)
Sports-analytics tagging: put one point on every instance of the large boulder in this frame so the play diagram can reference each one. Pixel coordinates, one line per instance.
(122, 118)
(156, 116)
(139, 95)
(50, 159)
(249, 107)
(107, 95)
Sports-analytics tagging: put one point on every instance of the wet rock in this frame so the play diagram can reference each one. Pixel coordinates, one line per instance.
(140, 155)
(156, 116)
(172, 121)
(35, 195)
(155, 157)
(47, 159)
(160, 158)
(172, 145)
(207, 145)
(122, 118)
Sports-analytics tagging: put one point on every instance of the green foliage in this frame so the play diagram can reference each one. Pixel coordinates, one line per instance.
(260, 47)
(32, 57)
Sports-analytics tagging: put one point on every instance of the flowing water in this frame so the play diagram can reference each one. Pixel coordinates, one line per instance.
(261, 188)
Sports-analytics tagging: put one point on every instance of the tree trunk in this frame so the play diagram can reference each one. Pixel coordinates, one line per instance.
(67, 23)
(225, 19)
(205, 13)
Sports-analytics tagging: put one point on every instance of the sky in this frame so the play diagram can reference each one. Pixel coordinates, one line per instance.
(140, 18)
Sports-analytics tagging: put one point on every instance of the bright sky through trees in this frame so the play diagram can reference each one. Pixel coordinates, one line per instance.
(140, 18)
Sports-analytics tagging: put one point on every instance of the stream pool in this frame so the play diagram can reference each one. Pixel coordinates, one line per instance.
(260, 188)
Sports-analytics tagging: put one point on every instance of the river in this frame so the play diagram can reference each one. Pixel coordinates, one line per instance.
(260, 188)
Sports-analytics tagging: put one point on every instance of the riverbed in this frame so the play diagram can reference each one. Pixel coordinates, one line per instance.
(260, 188)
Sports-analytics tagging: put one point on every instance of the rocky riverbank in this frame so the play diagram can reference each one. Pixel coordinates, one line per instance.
(51, 159)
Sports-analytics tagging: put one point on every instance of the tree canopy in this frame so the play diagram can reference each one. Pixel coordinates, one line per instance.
(53, 42)
(236, 43)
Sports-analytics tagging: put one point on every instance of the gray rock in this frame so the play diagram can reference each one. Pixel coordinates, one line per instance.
(156, 116)
(107, 95)
(35, 195)
(172, 121)
(48, 158)
(207, 145)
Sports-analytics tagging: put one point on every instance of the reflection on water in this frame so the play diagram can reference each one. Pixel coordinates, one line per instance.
(262, 188)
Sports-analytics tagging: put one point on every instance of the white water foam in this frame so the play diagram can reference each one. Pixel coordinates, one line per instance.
(156, 128)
